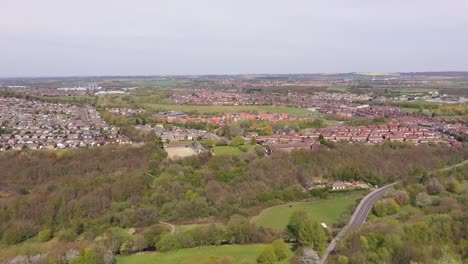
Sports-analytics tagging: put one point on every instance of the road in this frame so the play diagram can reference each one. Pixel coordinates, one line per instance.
(362, 211)
(358, 217)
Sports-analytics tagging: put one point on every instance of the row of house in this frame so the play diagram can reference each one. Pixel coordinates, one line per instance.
(221, 120)
(177, 133)
(40, 125)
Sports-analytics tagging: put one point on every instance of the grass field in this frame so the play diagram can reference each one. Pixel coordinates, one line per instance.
(326, 211)
(228, 150)
(228, 109)
(197, 255)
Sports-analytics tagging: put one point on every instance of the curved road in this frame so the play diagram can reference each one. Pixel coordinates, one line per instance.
(358, 217)
(363, 209)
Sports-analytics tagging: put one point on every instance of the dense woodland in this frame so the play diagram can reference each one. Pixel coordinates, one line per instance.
(95, 194)
(423, 221)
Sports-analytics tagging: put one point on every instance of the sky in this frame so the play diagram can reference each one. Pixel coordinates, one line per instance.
(174, 37)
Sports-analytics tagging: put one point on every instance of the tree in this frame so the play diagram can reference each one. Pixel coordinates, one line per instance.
(423, 200)
(267, 256)
(448, 258)
(453, 186)
(280, 248)
(364, 242)
(343, 260)
(113, 239)
(392, 206)
(167, 241)
(401, 197)
(306, 231)
(208, 143)
(90, 256)
(139, 243)
(241, 229)
(237, 141)
(126, 247)
(18, 232)
(433, 187)
(380, 208)
(309, 256)
(294, 224)
(311, 234)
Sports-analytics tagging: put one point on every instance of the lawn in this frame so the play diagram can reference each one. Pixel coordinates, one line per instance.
(326, 211)
(227, 151)
(197, 255)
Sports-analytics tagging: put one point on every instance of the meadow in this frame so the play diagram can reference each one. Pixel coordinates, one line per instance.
(231, 150)
(324, 211)
(242, 254)
(213, 109)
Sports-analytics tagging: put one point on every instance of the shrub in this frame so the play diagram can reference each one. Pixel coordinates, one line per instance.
(280, 248)
(267, 256)
(453, 186)
(45, 235)
(18, 232)
(166, 242)
(66, 235)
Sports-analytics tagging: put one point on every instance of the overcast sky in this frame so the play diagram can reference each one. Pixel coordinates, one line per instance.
(139, 37)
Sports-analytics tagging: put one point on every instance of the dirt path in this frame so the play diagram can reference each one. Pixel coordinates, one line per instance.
(169, 225)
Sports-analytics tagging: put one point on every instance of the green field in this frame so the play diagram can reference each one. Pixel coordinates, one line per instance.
(228, 150)
(197, 255)
(326, 211)
(228, 109)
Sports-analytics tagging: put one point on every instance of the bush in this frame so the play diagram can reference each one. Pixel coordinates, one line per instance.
(166, 242)
(453, 186)
(66, 235)
(280, 248)
(89, 256)
(45, 235)
(18, 232)
(126, 247)
(267, 256)
(401, 197)
(423, 200)
(237, 141)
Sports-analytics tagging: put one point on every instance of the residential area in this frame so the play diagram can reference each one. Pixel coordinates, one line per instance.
(28, 124)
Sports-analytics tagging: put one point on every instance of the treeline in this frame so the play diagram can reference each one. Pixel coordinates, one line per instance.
(74, 99)
(264, 128)
(427, 224)
(81, 194)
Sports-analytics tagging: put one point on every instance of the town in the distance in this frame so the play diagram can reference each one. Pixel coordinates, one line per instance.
(345, 168)
(283, 112)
